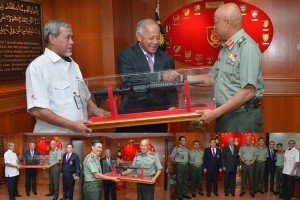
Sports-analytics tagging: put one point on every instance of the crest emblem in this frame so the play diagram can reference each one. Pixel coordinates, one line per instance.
(199, 58)
(265, 23)
(168, 41)
(197, 8)
(210, 61)
(265, 37)
(212, 37)
(188, 55)
(177, 49)
(243, 8)
(176, 19)
(167, 29)
(186, 12)
(254, 13)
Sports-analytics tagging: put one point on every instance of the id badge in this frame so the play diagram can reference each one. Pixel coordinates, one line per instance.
(78, 101)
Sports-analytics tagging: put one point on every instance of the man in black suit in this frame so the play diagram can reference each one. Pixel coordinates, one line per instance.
(270, 168)
(212, 165)
(145, 57)
(31, 157)
(70, 172)
(107, 165)
(230, 163)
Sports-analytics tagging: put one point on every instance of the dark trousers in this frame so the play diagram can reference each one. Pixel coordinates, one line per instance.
(212, 178)
(247, 170)
(229, 182)
(12, 186)
(68, 186)
(54, 173)
(287, 186)
(30, 182)
(109, 190)
(269, 171)
(182, 171)
(145, 191)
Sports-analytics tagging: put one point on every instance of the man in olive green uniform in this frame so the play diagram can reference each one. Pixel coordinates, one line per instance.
(196, 161)
(54, 170)
(279, 168)
(92, 187)
(248, 156)
(260, 164)
(152, 169)
(180, 157)
(236, 75)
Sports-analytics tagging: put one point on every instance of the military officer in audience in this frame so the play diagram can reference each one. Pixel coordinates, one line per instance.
(92, 187)
(54, 170)
(279, 168)
(179, 156)
(260, 164)
(248, 155)
(152, 169)
(196, 161)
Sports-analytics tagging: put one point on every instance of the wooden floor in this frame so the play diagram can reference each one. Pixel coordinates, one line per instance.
(128, 194)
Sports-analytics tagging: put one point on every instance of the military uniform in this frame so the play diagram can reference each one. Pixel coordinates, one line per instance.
(239, 64)
(92, 187)
(54, 172)
(196, 161)
(260, 164)
(181, 157)
(151, 163)
(279, 169)
(247, 153)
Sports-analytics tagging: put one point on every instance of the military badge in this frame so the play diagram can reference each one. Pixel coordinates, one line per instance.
(210, 61)
(188, 55)
(186, 12)
(265, 37)
(167, 29)
(243, 8)
(254, 13)
(212, 37)
(197, 9)
(177, 49)
(231, 58)
(199, 58)
(176, 19)
(168, 42)
(265, 23)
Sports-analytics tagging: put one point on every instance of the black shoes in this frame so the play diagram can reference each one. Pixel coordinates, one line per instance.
(34, 193)
(232, 194)
(28, 194)
(242, 194)
(201, 193)
(252, 194)
(226, 194)
(18, 195)
(48, 195)
(55, 198)
(216, 194)
(186, 197)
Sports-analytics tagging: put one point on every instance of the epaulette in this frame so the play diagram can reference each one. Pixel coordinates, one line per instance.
(138, 154)
(241, 41)
(152, 153)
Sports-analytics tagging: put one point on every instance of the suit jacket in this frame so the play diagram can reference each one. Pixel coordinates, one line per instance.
(72, 166)
(270, 162)
(211, 162)
(230, 161)
(35, 160)
(107, 167)
(133, 61)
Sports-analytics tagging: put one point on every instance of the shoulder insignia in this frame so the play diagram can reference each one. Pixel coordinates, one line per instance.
(152, 153)
(241, 41)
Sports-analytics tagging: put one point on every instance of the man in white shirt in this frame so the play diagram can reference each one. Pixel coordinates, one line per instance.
(291, 160)
(56, 94)
(11, 171)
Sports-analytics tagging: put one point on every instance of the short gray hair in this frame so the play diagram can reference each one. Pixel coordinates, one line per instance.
(10, 143)
(53, 27)
(141, 25)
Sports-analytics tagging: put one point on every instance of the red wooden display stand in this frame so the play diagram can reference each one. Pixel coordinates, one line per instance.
(155, 117)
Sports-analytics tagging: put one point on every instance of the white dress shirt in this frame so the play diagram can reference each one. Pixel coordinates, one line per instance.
(11, 157)
(290, 158)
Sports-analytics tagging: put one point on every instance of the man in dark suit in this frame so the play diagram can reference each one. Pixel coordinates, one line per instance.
(145, 57)
(270, 168)
(70, 172)
(106, 165)
(31, 157)
(212, 165)
(230, 162)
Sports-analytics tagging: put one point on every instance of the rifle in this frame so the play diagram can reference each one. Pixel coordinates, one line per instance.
(140, 88)
(121, 168)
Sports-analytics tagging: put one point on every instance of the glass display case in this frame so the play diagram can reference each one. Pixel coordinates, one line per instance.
(33, 162)
(149, 98)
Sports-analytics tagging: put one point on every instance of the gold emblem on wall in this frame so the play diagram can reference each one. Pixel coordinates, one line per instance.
(199, 58)
(177, 49)
(212, 37)
(210, 61)
(188, 55)
(254, 13)
(265, 23)
(265, 37)
(167, 29)
(243, 8)
(186, 12)
(197, 9)
(176, 19)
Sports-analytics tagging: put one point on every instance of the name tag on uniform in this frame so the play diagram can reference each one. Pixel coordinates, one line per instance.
(78, 101)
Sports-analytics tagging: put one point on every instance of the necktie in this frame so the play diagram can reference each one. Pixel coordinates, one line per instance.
(231, 148)
(31, 152)
(214, 153)
(150, 62)
(272, 154)
(68, 155)
(67, 59)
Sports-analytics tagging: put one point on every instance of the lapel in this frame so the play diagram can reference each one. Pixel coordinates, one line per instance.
(141, 59)
(158, 61)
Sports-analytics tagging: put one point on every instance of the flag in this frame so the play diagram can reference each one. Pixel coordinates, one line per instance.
(162, 41)
(120, 185)
(217, 140)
